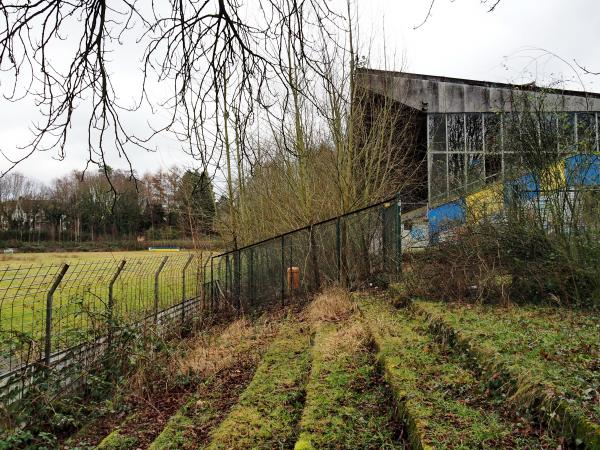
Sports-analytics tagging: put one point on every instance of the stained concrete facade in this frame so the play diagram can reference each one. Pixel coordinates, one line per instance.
(436, 94)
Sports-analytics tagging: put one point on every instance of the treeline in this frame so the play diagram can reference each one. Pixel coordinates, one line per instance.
(164, 205)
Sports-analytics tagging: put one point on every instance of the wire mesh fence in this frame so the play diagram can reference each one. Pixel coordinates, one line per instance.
(55, 317)
(356, 248)
(61, 319)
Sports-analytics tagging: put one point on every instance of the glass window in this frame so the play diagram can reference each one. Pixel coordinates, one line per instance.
(493, 139)
(586, 132)
(513, 165)
(456, 172)
(493, 167)
(475, 170)
(547, 124)
(437, 132)
(438, 178)
(456, 133)
(513, 136)
(474, 133)
(566, 132)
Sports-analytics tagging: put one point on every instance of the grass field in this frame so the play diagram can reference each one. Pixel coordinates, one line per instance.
(81, 308)
(76, 257)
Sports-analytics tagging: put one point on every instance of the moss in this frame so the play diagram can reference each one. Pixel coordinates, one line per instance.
(117, 441)
(439, 400)
(173, 435)
(269, 409)
(499, 344)
(346, 401)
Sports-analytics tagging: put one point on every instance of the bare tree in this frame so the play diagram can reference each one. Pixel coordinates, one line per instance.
(187, 44)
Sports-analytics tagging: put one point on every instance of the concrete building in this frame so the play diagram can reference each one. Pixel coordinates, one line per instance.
(464, 139)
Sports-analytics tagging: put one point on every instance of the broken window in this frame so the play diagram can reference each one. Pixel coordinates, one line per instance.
(437, 132)
(456, 133)
(493, 167)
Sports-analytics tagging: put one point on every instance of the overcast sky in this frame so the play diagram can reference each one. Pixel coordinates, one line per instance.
(460, 39)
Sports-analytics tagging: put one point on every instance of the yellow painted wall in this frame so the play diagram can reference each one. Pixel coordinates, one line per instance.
(553, 177)
(483, 203)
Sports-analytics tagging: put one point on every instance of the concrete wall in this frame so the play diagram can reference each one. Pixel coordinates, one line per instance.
(447, 95)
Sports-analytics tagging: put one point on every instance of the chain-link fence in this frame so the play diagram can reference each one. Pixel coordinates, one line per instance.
(364, 246)
(61, 319)
(55, 317)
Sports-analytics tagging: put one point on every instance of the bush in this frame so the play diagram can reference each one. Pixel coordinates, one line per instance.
(509, 261)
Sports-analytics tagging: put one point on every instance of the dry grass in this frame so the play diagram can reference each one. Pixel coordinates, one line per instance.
(332, 305)
(347, 340)
(214, 352)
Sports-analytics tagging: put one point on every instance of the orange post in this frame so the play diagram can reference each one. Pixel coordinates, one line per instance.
(293, 278)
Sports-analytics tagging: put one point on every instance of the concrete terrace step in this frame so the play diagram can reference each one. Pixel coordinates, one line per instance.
(269, 409)
(442, 402)
(347, 402)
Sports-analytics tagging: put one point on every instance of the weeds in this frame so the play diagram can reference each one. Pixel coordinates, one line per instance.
(442, 401)
(269, 409)
(346, 404)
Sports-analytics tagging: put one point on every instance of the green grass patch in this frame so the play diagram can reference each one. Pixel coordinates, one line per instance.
(559, 345)
(268, 411)
(442, 402)
(544, 358)
(118, 441)
(346, 404)
(176, 432)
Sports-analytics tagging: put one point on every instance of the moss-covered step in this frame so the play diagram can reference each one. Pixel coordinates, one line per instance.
(268, 411)
(442, 403)
(544, 360)
(239, 350)
(346, 399)
(117, 440)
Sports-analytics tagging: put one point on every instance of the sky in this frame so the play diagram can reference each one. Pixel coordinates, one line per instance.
(519, 42)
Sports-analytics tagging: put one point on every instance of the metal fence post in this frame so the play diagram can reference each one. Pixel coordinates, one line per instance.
(338, 248)
(49, 300)
(398, 232)
(203, 268)
(156, 274)
(111, 301)
(227, 276)
(212, 284)
(251, 277)
(186, 265)
(282, 270)
(237, 287)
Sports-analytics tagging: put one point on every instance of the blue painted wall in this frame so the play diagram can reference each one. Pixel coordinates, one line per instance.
(583, 170)
(445, 217)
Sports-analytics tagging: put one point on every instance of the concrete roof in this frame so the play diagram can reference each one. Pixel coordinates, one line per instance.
(437, 94)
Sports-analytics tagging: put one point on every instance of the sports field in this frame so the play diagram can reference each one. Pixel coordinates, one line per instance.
(82, 306)
(75, 257)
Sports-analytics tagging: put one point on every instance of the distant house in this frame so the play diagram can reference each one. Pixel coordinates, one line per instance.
(25, 215)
